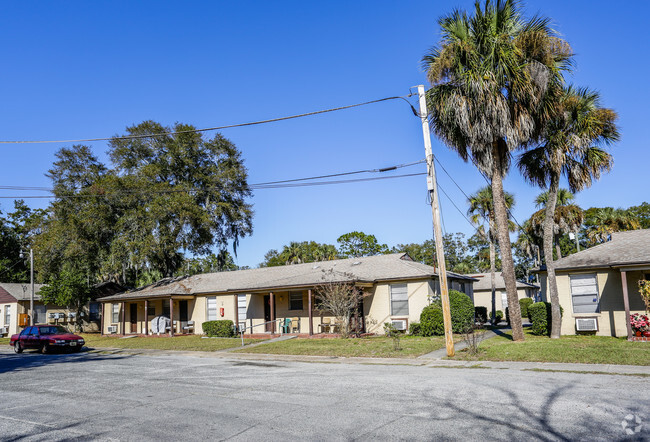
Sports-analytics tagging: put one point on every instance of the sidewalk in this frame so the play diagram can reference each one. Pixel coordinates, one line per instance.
(421, 361)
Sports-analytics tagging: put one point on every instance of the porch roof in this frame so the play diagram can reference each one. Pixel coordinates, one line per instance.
(370, 269)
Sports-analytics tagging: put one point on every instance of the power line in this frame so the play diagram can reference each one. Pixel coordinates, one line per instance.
(9, 268)
(207, 129)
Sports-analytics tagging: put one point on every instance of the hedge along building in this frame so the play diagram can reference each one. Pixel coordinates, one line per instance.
(598, 287)
(483, 291)
(395, 287)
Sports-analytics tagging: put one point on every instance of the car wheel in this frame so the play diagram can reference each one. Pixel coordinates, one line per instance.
(45, 349)
(78, 349)
(18, 348)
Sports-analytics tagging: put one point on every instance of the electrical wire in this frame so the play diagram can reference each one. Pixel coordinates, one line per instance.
(9, 268)
(207, 129)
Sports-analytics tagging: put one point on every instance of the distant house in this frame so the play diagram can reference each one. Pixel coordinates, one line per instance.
(483, 291)
(397, 290)
(598, 288)
(14, 305)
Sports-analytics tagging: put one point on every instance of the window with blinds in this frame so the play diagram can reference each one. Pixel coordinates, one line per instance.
(241, 308)
(584, 293)
(295, 301)
(116, 313)
(212, 308)
(399, 301)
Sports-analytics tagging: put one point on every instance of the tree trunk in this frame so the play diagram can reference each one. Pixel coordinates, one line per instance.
(493, 269)
(551, 281)
(507, 263)
(558, 250)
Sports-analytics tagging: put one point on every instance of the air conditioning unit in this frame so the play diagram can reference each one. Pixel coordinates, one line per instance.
(587, 324)
(399, 324)
(112, 328)
(3, 331)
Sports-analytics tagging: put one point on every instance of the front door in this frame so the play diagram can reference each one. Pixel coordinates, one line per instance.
(182, 314)
(133, 315)
(267, 313)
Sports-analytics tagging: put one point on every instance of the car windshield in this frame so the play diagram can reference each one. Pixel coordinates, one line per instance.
(52, 330)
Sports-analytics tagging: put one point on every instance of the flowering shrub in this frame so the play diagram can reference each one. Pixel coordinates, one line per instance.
(640, 322)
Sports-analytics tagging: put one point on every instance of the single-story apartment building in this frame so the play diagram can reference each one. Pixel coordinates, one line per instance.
(396, 289)
(598, 287)
(483, 291)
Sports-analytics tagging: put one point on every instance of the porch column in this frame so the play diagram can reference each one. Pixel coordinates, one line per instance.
(123, 330)
(146, 317)
(236, 320)
(171, 317)
(626, 303)
(101, 318)
(311, 314)
(272, 301)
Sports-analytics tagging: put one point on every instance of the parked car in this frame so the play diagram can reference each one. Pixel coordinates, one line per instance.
(46, 338)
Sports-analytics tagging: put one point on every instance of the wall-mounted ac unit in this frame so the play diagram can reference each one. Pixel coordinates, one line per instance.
(587, 324)
(4, 331)
(112, 328)
(399, 324)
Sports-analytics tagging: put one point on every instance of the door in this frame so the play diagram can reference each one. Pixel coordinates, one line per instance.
(33, 338)
(267, 312)
(133, 315)
(182, 313)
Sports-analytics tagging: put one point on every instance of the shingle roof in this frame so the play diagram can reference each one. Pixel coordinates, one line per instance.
(367, 269)
(484, 282)
(20, 291)
(625, 248)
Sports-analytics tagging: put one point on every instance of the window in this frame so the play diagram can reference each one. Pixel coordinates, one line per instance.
(116, 313)
(504, 300)
(212, 308)
(399, 301)
(8, 315)
(151, 309)
(584, 293)
(295, 301)
(241, 308)
(93, 311)
(166, 311)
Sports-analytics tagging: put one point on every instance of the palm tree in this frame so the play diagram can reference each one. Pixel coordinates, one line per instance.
(489, 81)
(606, 221)
(570, 147)
(481, 207)
(564, 198)
(567, 218)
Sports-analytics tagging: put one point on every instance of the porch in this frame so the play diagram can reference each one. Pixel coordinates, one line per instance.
(132, 317)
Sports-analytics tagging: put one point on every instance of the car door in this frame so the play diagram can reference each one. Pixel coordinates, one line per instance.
(22, 337)
(34, 338)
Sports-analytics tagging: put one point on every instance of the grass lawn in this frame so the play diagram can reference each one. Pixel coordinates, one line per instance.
(570, 349)
(189, 343)
(4, 341)
(370, 347)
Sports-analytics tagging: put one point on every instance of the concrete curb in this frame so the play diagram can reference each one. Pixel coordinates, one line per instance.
(415, 362)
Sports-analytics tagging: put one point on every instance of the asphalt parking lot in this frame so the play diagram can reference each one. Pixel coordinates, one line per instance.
(179, 397)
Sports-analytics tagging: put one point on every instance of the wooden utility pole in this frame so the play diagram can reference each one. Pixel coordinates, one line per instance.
(435, 212)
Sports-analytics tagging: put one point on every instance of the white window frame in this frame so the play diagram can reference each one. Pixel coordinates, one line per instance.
(393, 301)
(597, 294)
(209, 309)
(115, 313)
(7, 315)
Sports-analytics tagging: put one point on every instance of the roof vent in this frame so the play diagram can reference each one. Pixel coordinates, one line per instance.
(356, 263)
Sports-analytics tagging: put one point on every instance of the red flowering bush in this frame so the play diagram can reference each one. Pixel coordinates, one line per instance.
(640, 322)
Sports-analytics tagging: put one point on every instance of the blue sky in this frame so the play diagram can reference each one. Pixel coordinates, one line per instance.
(89, 69)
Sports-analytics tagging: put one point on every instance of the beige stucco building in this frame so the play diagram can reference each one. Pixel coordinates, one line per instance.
(396, 289)
(601, 283)
(483, 291)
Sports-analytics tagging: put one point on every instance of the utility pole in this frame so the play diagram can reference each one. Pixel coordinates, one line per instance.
(435, 212)
(31, 277)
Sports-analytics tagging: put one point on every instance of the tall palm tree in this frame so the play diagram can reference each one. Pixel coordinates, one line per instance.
(607, 220)
(489, 80)
(568, 218)
(564, 198)
(571, 146)
(481, 207)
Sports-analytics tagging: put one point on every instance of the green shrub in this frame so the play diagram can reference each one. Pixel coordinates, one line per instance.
(223, 328)
(415, 329)
(481, 314)
(462, 315)
(431, 322)
(524, 303)
(540, 316)
(499, 316)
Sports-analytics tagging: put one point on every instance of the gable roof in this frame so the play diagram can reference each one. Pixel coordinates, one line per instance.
(12, 292)
(369, 269)
(624, 248)
(484, 282)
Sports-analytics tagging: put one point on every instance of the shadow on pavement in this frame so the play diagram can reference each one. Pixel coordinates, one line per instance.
(32, 359)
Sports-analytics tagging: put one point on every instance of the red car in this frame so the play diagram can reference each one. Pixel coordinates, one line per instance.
(46, 338)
